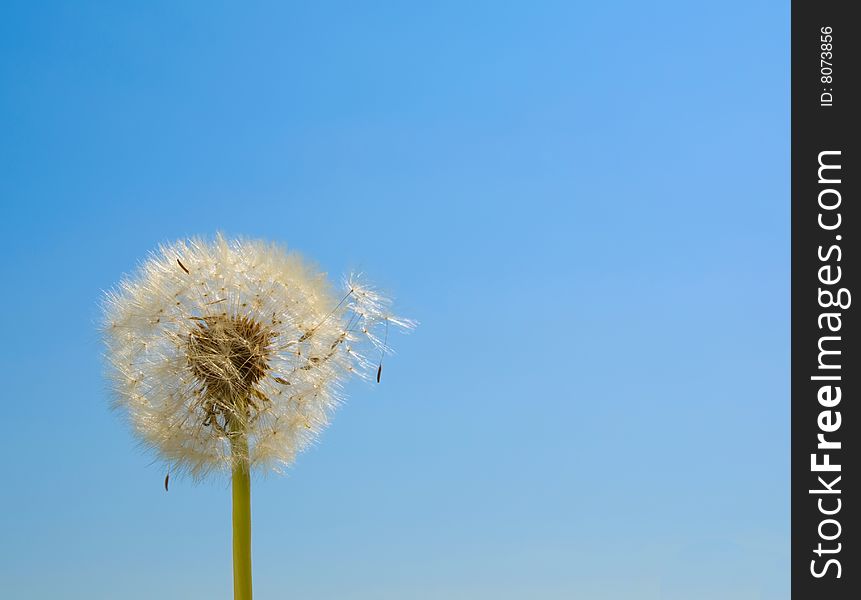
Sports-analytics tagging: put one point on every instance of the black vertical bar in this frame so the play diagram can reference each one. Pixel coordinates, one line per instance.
(826, 374)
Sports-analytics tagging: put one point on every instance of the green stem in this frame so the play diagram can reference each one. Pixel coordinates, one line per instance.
(241, 520)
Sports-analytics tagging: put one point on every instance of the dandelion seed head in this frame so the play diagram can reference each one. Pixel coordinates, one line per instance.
(211, 339)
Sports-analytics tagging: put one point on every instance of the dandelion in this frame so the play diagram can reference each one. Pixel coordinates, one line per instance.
(229, 356)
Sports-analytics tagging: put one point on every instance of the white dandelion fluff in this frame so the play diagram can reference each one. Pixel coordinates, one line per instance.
(214, 341)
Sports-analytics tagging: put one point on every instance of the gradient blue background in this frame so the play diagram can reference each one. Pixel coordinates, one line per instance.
(586, 206)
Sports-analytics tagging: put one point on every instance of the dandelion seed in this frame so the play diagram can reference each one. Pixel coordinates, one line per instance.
(203, 366)
(382, 351)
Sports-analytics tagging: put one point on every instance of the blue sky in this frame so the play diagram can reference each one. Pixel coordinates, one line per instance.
(585, 205)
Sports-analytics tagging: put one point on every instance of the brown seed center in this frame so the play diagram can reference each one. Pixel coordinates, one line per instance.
(228, 355)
